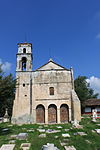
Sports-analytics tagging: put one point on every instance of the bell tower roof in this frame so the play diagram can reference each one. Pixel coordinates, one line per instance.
(25, 43)
(24, 48)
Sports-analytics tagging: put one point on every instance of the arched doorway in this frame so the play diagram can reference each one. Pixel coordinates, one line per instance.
(52, 114)
(64, 113)
(40, 114)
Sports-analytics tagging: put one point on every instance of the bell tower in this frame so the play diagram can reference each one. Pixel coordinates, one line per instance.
(24, 57)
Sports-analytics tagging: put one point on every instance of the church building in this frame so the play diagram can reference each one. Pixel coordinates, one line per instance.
(45, 95)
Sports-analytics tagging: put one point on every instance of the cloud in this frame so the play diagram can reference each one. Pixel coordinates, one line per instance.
(98, 36)
(6, 66)
(94, 84)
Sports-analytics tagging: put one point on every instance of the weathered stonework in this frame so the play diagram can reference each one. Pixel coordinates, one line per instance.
(33, 102)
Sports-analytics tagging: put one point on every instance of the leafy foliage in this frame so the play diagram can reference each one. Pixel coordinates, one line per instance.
(7, 92)
(83, 89)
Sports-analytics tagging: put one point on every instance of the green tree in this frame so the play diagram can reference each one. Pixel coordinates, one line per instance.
(7, 92)
(83, 89)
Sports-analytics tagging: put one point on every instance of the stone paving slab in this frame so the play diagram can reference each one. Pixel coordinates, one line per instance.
(7, 147)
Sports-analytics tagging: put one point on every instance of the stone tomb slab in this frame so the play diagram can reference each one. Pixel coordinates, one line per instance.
(25, 146)
(69, 148)
(13, 136)
(59, 127)
(41, 130)
(12, 141)
(80, 133)
(65, 135)
(52, 131)
(42, 135)
(22, 136)
(97, 131)
(7, 147)
(30, 130)
(49, 147)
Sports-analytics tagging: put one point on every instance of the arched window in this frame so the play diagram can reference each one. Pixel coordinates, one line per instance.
(51, 90)
(24, 50)
(24, 60)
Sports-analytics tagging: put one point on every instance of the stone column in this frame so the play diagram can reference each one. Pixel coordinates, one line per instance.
(46, 116)
(34, 115)
(70, 114)
(58, 115)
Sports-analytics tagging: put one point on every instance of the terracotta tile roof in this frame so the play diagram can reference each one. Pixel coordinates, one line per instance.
(92, 102)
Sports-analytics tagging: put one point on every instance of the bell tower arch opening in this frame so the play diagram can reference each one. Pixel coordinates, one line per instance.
(24, 57)
(24, 63)
(24, 50)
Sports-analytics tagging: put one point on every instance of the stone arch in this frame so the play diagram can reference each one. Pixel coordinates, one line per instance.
(40, 114)
(64, 113)
(24, 50)
(52, 113)
(24, 61)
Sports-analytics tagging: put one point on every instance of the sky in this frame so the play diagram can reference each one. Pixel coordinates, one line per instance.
(68, 31)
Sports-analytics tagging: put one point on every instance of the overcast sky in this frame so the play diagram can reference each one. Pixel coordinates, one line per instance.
(66, 30)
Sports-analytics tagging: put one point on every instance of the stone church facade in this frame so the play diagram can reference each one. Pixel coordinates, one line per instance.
(45, 95)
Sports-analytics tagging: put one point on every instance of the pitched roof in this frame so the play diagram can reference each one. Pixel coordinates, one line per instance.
(50, 65)
(92, 102)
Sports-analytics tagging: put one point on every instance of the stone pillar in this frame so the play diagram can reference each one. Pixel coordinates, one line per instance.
(34, 115)
(46, 116)
(58, 115)
(70, 114)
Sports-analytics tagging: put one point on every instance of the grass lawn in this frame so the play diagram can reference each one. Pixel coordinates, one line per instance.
(91, 141)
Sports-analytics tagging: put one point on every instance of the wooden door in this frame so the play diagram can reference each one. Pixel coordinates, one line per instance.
(52, 114)
(64, 115)
(40, 114)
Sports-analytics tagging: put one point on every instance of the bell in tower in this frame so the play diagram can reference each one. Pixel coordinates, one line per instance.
(24, 57)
